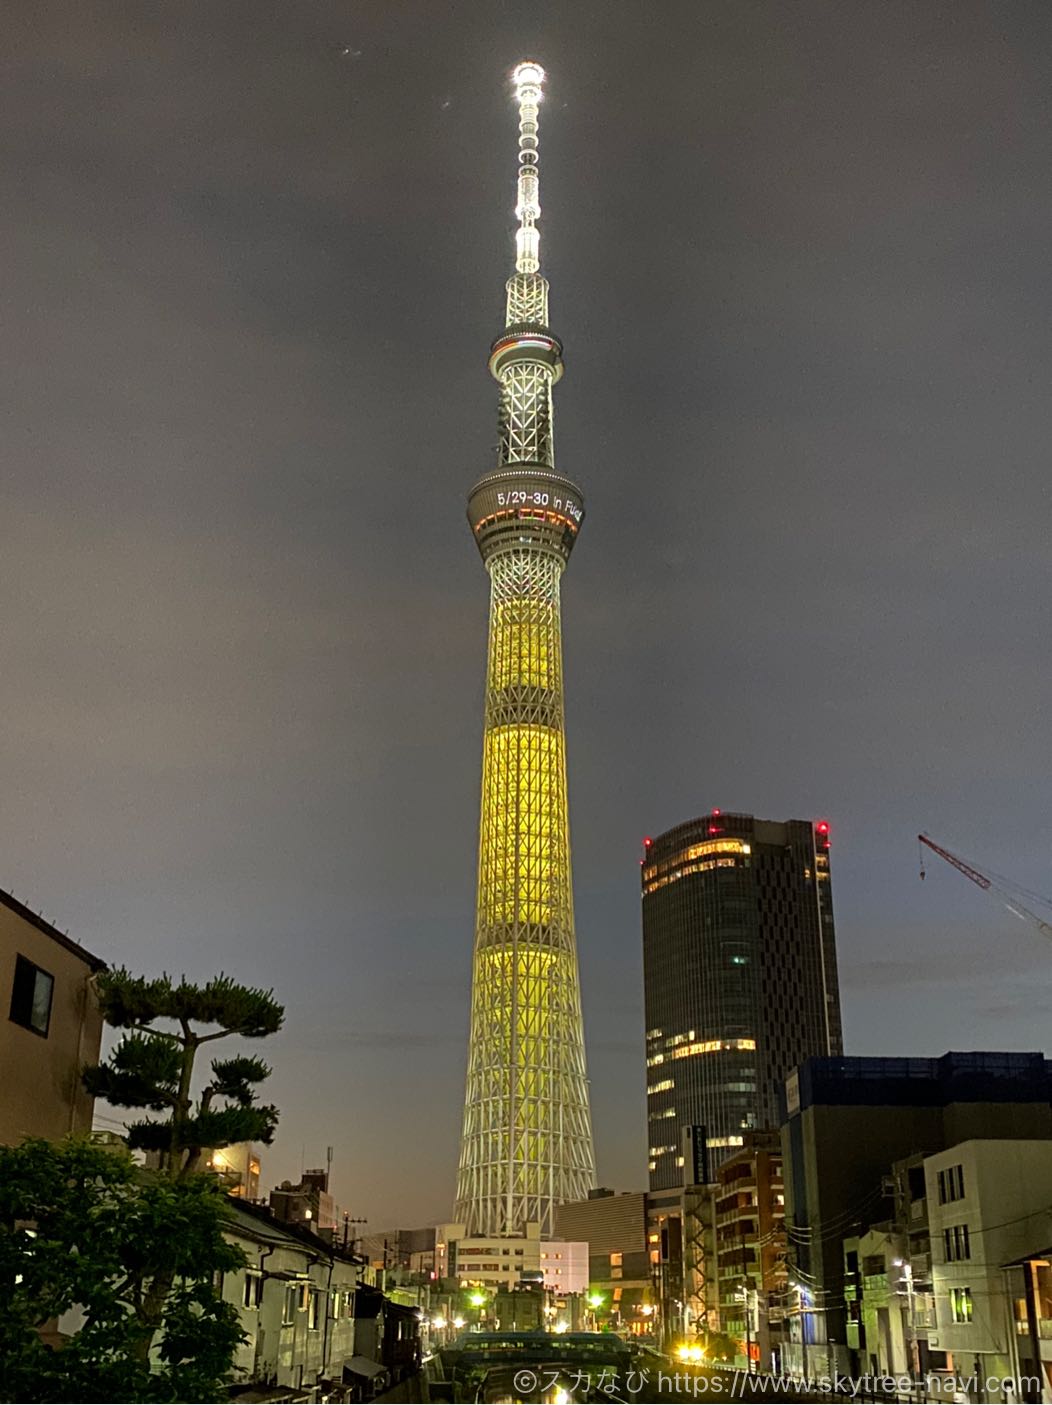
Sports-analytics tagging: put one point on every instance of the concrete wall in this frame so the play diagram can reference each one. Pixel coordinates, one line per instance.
(46, 1098)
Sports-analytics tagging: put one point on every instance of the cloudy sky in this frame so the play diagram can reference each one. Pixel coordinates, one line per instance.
(253, 256)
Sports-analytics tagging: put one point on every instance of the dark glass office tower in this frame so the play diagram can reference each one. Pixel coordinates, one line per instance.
(740, 979)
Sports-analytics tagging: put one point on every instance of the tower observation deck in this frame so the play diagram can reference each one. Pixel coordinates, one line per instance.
(527, 1138)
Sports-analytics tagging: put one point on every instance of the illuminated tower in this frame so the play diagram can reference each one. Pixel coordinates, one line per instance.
(527, 1140)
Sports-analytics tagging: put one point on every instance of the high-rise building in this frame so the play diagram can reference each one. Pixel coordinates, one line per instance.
(740, 977)
(527, 1138)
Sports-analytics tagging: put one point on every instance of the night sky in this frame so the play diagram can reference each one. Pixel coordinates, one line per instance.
(253, 257)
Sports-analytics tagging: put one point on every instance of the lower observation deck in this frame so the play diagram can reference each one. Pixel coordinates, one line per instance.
(525, 504)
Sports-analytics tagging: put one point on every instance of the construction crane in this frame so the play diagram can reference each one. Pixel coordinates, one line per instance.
(1007, 891)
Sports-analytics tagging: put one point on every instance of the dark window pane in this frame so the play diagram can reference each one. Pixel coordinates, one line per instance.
(31, 996)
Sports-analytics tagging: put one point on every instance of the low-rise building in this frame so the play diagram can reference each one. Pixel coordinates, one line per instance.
(52, 1029)
(313, 1320)
(615, 1229)
(493, 1261)
(1030, 1284)
(751, 1248)
(239, 1168)
(988, 1203)
(564, 1264)
(847, 1122)
(307, 1203)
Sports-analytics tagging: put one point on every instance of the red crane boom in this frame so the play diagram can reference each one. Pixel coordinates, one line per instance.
(1005, 891)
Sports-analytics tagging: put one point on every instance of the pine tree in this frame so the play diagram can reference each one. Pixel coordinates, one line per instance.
(153, 1068)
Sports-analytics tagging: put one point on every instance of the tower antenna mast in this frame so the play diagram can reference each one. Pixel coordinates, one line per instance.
(528, 78)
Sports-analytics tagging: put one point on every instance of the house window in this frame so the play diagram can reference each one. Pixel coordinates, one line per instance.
(31, 996)
(312, 1310)
(951, 1184)
(253, 1290)
(289, 1306)
(961, 1304)
(956, 1244)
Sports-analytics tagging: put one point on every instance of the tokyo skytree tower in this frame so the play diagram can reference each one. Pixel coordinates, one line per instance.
(527, 1139)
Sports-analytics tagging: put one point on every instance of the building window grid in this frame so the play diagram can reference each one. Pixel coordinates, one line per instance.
(956, 1243)
(951, 1184)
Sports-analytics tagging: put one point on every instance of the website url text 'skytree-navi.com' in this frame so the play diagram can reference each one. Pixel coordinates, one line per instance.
(742, 1385)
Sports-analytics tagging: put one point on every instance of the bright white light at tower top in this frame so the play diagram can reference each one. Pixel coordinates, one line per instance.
(528, 77)
(528, 74)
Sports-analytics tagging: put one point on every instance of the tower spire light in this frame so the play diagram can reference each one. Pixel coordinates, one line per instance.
(528, 79)
(527, 1139)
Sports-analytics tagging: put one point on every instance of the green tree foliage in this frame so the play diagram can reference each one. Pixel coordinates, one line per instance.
(153, 1066)
(83, 1231)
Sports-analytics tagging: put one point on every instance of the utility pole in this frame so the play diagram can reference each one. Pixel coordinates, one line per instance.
(347, 1222)
(911, 1307)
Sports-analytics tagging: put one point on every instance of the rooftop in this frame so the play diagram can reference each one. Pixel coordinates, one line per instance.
(954, 1077)
(96, 963)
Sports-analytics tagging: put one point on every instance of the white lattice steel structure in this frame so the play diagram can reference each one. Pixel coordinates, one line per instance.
(527, 1141)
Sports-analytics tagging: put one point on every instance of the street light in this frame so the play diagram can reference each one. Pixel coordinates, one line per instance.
(911, 1305)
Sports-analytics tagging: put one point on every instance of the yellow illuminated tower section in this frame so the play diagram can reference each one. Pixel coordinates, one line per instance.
(527, 1140)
